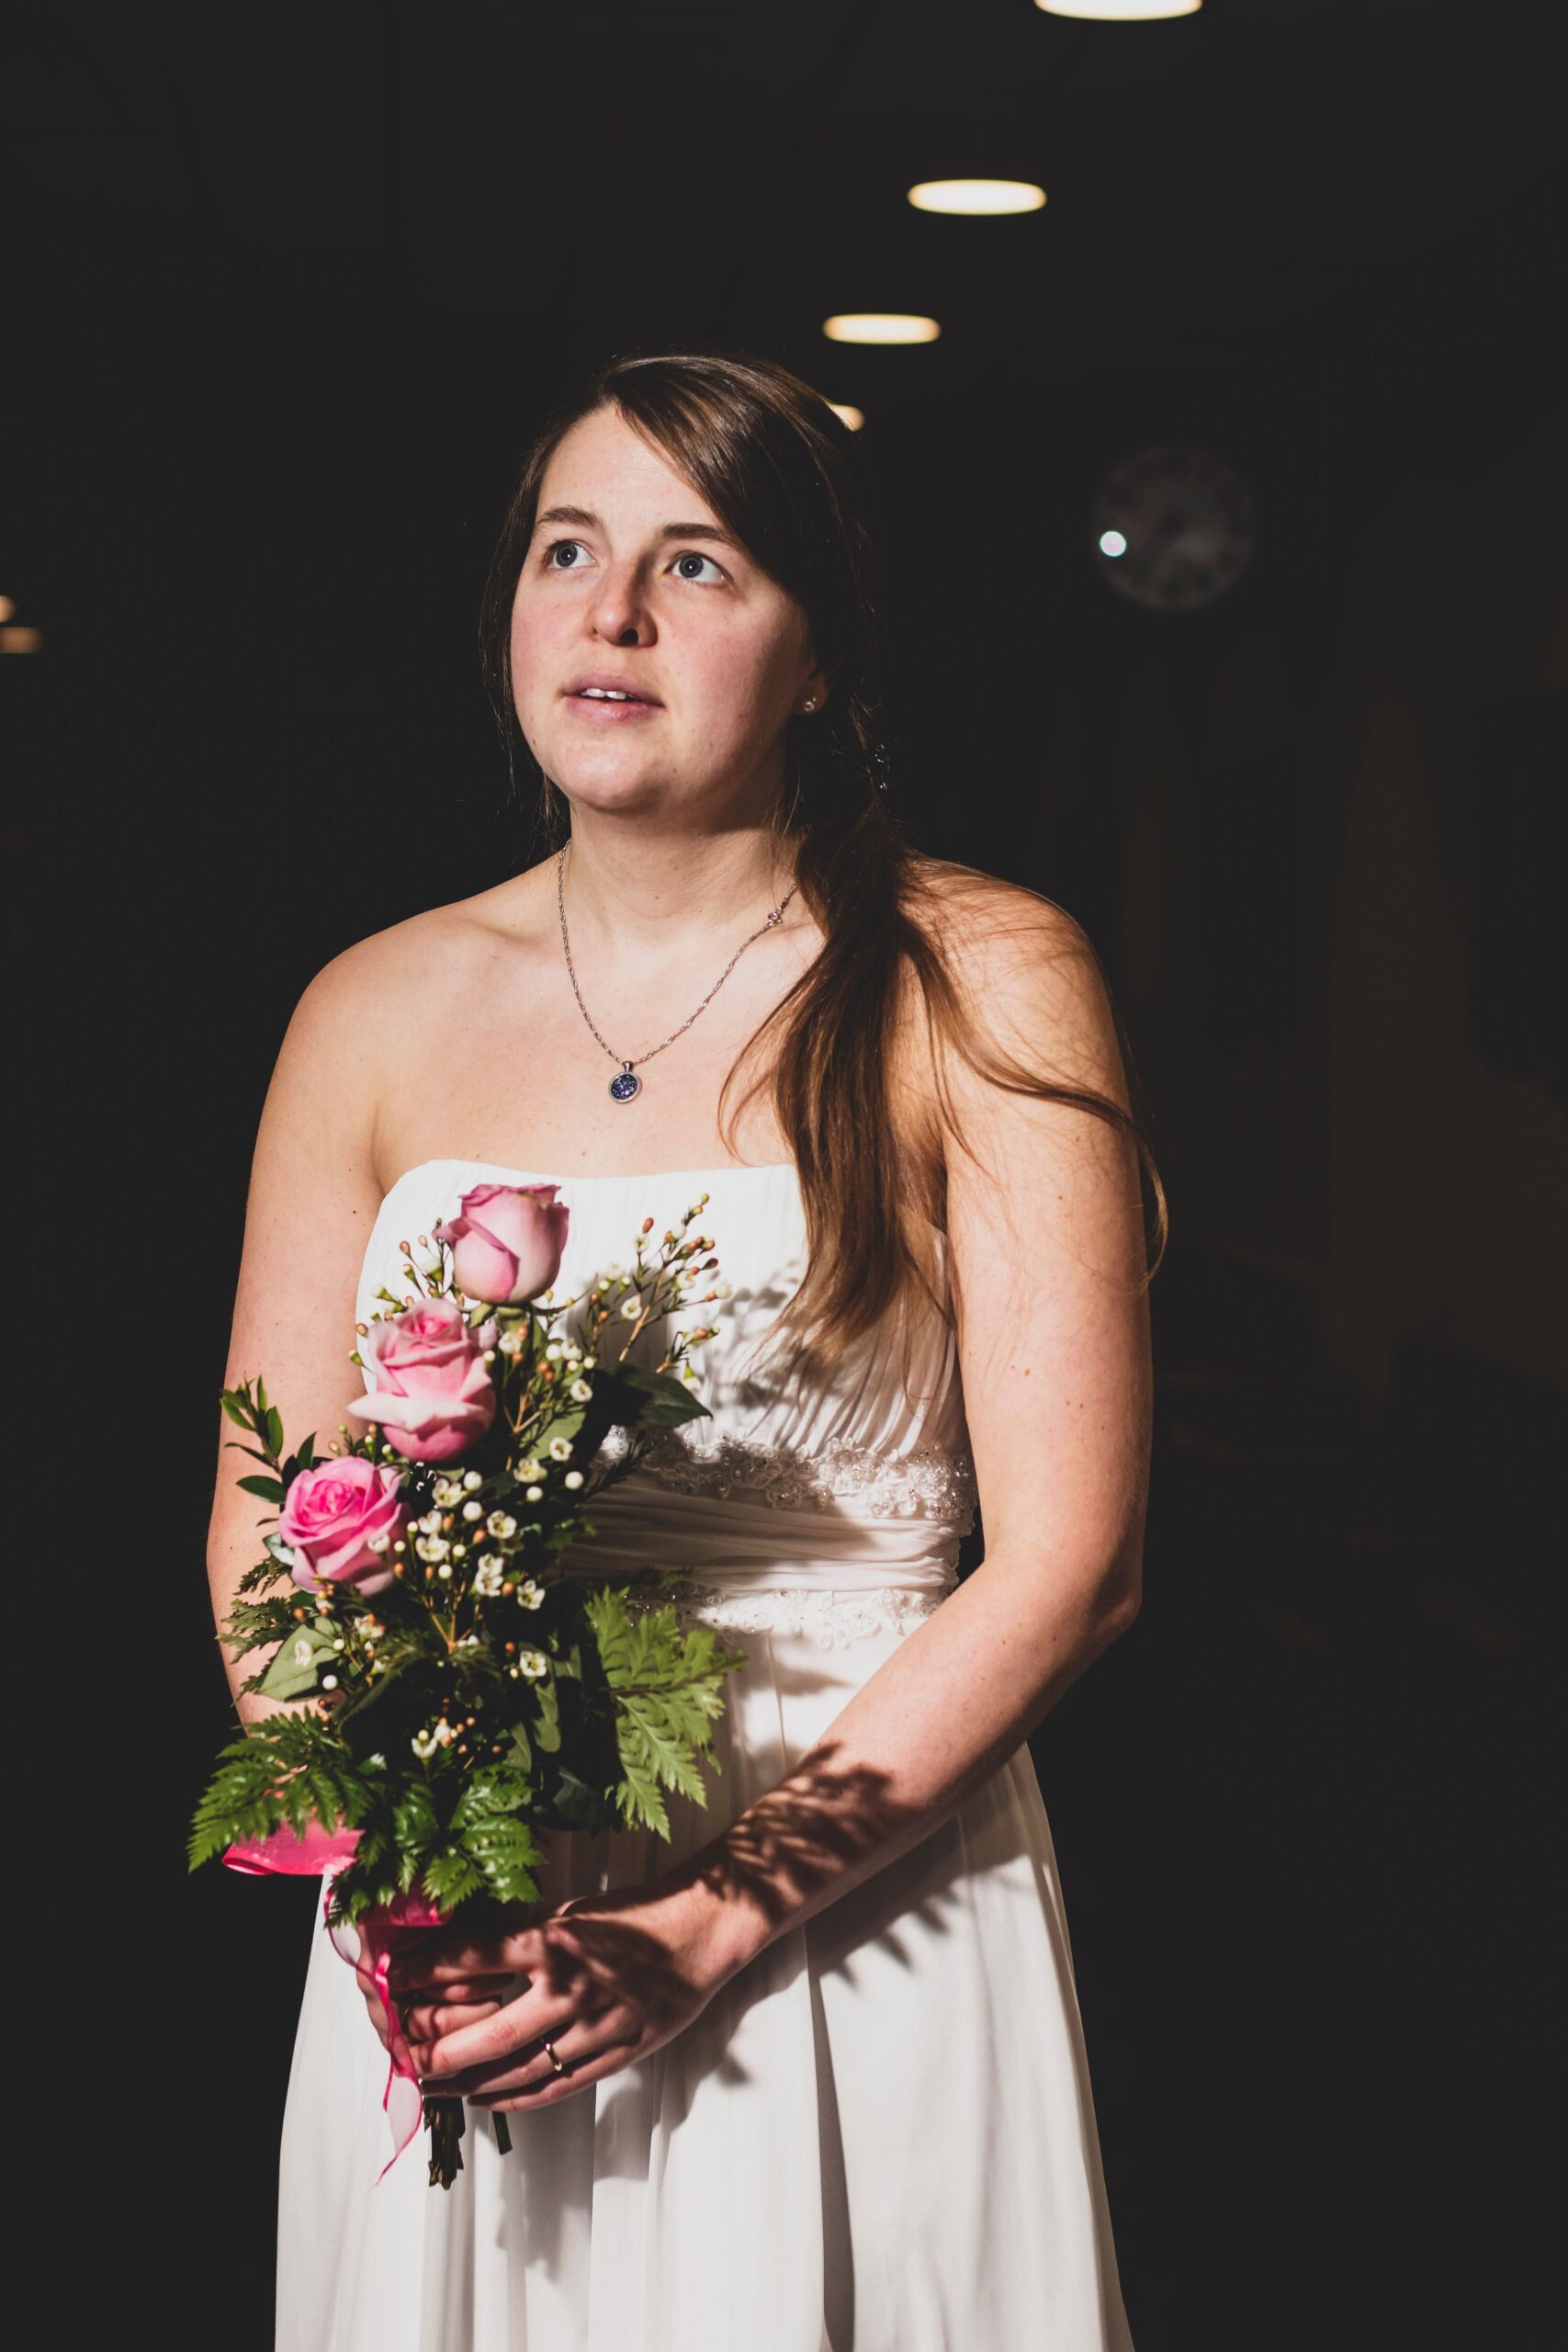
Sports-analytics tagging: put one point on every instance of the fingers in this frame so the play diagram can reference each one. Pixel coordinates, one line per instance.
(576, 2045)
(428, 2021)
(590, 2068)
(453, 1958)
(512, 2027)
(460, 1991)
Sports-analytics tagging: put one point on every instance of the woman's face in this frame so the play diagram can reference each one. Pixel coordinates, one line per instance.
(631, 581)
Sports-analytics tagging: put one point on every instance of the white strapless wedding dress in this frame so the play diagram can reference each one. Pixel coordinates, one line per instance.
(880, 2136)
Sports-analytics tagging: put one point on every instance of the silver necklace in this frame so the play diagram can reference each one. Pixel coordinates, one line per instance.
(624, 1085)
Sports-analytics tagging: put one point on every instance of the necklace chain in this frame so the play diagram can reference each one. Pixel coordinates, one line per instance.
(627, 1066)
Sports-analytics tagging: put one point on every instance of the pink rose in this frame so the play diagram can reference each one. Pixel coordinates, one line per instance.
(431, 1392)
(506, 1242)
(329, 1515)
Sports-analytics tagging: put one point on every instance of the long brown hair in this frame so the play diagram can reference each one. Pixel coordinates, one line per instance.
(785, 474)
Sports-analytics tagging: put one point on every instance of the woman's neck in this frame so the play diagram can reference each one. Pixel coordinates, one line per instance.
(657, 897)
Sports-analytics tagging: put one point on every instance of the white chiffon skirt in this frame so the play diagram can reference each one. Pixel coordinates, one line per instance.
(879, 2137)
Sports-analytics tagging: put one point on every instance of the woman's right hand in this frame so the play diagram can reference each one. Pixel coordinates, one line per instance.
(462, 2004)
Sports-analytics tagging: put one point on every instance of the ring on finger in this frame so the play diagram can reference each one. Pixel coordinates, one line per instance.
(557, 2063)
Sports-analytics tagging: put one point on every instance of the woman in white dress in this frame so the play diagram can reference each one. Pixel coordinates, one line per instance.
(810, 2077)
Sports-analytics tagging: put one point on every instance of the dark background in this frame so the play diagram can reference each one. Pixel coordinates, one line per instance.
(291, 288)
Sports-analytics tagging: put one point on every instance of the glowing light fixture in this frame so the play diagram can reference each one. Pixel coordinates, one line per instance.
(1112, 543)
(854, 417)
(6, 608)
(1120, 12)
(14, 639)
(879, 326)
(976, 195)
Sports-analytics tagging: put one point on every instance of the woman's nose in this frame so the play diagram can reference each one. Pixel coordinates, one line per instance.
(620, 612)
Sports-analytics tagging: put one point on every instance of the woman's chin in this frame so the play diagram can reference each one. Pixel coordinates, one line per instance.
(617, 785)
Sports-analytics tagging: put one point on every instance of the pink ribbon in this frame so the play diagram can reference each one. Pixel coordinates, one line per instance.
(369, 1949)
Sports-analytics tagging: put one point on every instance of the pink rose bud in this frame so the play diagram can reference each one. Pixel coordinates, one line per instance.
(329, 1516)
(506, 1242)
(429, 1389)
(489, 1332)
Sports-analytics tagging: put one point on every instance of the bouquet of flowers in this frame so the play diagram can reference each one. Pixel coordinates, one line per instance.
(453, 1695)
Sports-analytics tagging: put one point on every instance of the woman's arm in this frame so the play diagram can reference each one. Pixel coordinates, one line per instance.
(312, 1199)
(1046, 1242)
(1045, 1252)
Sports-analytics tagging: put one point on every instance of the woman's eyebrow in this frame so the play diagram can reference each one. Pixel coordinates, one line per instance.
(584, 519)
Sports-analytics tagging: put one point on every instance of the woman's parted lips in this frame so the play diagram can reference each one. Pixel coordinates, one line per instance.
(612, 685)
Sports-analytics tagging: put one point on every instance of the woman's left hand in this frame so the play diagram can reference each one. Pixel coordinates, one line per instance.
(609, 1978)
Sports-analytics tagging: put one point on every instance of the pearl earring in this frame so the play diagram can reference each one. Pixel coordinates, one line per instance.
(810, 702)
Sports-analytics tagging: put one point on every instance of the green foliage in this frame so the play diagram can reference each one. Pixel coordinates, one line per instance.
(546, 1722)
(415, 1821)
(487, 1825)
(271, 1570)
(298, 1668)
(490, 1792)
(666, 1689)
(657, 1400)
(450, 1875)
(248, 1409)
(567, 1424)
(288, 1770)
(252, 1623)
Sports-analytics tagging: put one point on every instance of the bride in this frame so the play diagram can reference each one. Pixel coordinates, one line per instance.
(809, 2076)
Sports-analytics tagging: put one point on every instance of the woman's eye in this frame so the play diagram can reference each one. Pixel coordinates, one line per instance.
(691, 556)
(574, 548)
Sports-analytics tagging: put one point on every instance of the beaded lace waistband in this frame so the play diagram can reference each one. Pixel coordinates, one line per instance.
(841, 1543)
(830, 1619)
(928, 1482)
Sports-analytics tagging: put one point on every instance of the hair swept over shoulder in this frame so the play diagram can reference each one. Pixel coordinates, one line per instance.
(885, 998)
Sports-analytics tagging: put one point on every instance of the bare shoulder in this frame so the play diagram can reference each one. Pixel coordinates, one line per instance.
(428, 958)
(1027, 974)
(386, 1002)
(418, 969)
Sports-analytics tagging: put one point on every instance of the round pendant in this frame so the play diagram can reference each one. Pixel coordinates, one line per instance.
(624, 1085)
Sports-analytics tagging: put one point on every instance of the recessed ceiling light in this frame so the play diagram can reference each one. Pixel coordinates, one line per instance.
(854, 417)
(976, 195)
(1120, 12)
(879, 326)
